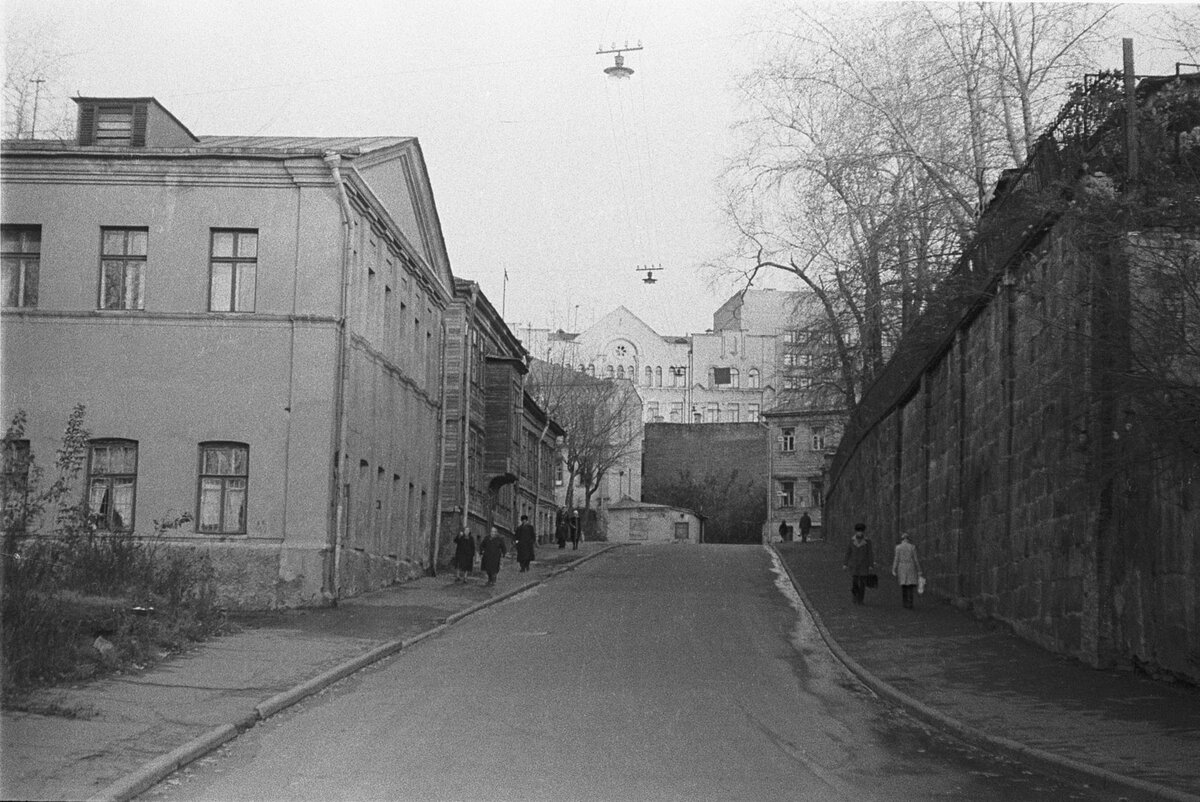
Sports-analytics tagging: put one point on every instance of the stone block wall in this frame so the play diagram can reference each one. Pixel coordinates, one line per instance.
(999, 461)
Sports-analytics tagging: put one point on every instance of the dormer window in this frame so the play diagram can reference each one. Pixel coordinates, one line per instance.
(130, 122)
(113, 124)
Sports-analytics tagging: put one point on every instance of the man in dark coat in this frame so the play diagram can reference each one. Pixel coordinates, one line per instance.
(526, 539)
(491, 550)
(464, 555)
(784, 529)
(560, 533)
(860, 562)
(805, 525)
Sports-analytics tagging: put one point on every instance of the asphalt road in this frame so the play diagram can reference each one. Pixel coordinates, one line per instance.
(668, 672)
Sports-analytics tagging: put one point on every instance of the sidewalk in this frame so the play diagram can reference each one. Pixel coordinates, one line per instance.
(1114, 729)
(130, 731)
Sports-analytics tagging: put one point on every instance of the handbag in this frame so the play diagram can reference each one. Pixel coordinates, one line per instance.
(872, 580)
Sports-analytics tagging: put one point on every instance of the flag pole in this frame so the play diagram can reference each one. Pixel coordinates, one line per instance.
(504, 294)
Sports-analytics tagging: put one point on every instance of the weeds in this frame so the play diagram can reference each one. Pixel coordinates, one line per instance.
(78, 601)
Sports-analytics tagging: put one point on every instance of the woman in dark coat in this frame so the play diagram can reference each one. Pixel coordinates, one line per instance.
(860, 561)
(464, 555)
(491, 550)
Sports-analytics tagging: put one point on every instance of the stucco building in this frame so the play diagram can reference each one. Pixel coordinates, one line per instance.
(728, 374)
(255, 327)
(803, 433)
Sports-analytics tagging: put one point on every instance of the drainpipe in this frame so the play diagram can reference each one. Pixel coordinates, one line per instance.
(468, 376)
(334, 160)
(441, 459)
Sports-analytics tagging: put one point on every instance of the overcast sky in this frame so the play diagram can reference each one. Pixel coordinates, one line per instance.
(541, 165)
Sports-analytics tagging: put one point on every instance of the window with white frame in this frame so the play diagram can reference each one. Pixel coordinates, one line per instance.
(818, 438)
(754, 378)
(21, 259)
(713, 413)
(733, 413)
(123, 267)
(817, 488)
(652, 411)
(787, 439)
(233, 270)
(786, 493)
(676, 412)
(224, 476)
(112, 483)
(752, 413)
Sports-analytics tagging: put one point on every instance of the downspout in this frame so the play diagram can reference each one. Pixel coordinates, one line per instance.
(334, 161)
(467, 401)
(441, 460)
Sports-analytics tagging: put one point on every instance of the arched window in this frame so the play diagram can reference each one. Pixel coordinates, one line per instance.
(620, 371)
(610, 371)
(733, 378)
(632, 373)
(650, 375)
(754, 377)
(657, 376)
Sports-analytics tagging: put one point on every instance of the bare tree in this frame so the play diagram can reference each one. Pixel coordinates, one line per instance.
(35, 101)
(876, 138)
(602, 418)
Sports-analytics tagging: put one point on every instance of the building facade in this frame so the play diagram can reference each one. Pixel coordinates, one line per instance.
(499, 447)
(731, 373)
(255, 327)
(803, 434)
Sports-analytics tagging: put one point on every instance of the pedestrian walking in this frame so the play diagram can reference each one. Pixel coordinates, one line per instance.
(491, 550)
(464, 555)
(805, 525)
(907, 569)
(560, 533)
(525, 538)
(783, 531)
(860, 562)
(576, 534)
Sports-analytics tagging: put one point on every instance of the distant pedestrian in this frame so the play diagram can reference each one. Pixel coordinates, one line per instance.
(464, 555)
(560, 533)
(525, 538)
(576, 534)
(784, 529)
(491, 550)
(860, 562)
(805, 526)
(907, 569)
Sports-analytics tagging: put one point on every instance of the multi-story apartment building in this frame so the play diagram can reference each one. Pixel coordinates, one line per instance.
(255, 325)
(728, 374)
(499, 446)
(803, 436)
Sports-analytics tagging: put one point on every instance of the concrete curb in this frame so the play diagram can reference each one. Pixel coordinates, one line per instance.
(154, 772)
(1046, 760)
